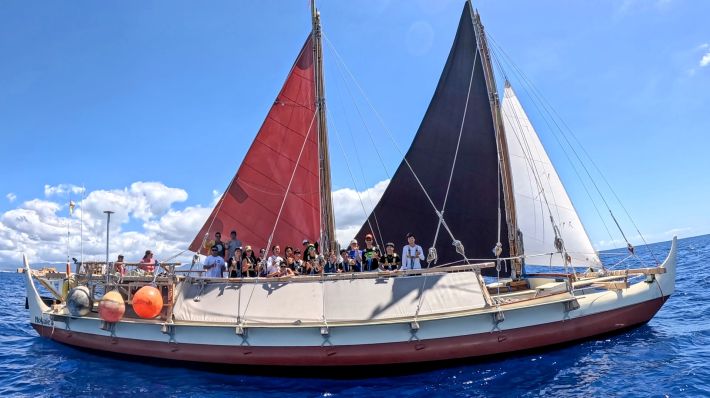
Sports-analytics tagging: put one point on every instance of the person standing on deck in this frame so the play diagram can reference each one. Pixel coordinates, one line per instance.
(214, 264)
(274, 261)
(391, 260)
(233, 244)
(371, 255)
(219, 244)
(355, 255)
(412, 254)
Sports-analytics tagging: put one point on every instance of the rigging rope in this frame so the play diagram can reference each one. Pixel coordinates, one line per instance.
(347, 164)
(340, 68)
(283, 202)
(547, 116)
(389, 134)
(453, 163)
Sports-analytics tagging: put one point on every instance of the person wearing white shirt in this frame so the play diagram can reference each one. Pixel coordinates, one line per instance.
(214, 264)
(274, 260)
(412, 254)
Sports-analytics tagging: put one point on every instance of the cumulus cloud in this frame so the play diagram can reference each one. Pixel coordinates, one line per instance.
(62, 189)
(348, 207)
(705, 60)
(43, 228)
(11, 197)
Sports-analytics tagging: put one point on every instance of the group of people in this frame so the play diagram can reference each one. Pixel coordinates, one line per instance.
(147, 264)
(233, 260)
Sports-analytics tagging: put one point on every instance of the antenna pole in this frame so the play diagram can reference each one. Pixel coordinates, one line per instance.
(108, 222)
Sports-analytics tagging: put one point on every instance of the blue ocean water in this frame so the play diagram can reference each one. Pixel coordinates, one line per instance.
(669, 356)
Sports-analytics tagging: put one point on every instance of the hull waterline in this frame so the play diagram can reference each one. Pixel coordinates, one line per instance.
(471, 346)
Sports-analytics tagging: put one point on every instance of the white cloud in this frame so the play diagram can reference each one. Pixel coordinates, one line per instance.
(62, 189)
(42, 228)
(348, 207)
(11, 197)
(705, 60)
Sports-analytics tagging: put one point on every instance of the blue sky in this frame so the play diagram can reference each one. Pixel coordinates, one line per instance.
(116, 96)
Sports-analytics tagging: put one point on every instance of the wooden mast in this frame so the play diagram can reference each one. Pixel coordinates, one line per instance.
(327, 238)
(503, 155)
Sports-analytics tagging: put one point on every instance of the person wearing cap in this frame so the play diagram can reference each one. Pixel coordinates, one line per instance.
(370, 255)
(249, 261)
(311, 261)
(412, 254)
(147, 263)
(355, 255)
(297, 263)
(232, 244)
(307, 243)
(311, 254)
(391, 260)
(214, 264)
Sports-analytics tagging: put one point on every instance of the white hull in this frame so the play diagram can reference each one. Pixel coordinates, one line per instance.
(527, 324)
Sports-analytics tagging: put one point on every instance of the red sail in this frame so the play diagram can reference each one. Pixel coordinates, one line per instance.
(286, 147)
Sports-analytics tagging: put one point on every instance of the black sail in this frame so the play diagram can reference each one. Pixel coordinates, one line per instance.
(476, 192)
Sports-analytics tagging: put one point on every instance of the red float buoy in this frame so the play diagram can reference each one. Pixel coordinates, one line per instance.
(147, 302)
(112, 307)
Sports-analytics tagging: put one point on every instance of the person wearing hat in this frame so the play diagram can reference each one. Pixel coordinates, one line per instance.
(391, 260)
(412, 254)
(311, 264)
(355, 255)
(249, 262)
(307, 243)
(297, 264)
(370, 255)
(214, 264)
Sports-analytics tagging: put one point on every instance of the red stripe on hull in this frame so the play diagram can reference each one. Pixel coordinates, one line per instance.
(483, 344)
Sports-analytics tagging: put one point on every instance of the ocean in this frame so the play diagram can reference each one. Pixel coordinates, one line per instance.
(668, 357)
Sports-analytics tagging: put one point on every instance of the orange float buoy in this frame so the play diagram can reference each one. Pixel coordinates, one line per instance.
(112, 307)
(147, 302)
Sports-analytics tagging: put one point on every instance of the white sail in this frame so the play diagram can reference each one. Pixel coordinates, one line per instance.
(539, 192)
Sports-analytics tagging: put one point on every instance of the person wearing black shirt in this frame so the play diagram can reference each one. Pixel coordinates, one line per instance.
(391, 260)
(370, 255)
(235, 264)
(219, 244)
(249, 263)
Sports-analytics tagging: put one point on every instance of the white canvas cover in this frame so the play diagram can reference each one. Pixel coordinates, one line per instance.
(535, 176)
(332, 299)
